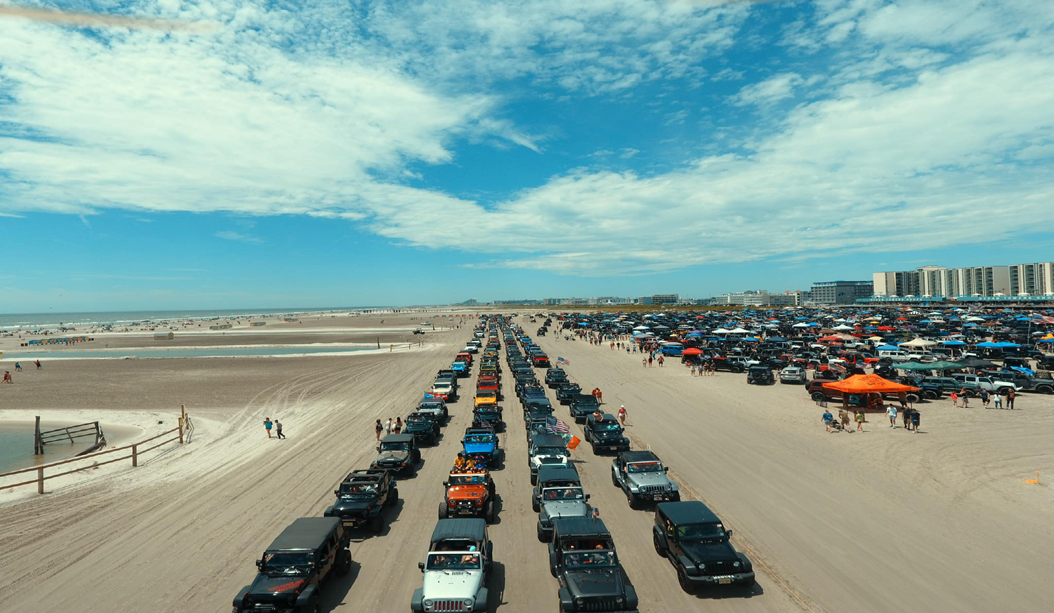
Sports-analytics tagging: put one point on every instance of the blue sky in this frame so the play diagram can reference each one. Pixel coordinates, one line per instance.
(424, 151)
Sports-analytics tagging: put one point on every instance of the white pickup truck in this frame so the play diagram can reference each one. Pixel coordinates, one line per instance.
(985, 383)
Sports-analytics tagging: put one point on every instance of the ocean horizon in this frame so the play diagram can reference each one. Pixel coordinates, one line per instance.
(24, 320)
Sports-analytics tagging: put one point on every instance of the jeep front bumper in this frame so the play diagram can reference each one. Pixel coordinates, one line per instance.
(734, 579)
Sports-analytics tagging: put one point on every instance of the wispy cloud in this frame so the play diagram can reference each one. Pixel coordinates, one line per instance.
(238, 236)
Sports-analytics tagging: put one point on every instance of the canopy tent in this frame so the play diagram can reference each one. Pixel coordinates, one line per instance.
(868, 384)
(952, 343)
(938, 365)
(829, 339)
(887, 348)
(918, 342)
(842, 328)
(975, 363)
(692, 351)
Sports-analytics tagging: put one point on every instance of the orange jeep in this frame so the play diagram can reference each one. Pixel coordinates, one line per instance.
(468, 494)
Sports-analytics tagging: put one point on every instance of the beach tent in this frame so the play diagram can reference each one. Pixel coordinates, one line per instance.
(692, 351)
(938, 365)
(918, 342)
(952, 343)
(975, 363)
(887, 348)
(868, 384)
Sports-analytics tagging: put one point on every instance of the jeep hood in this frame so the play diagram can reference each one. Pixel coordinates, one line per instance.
(400, 455)
(655, 478)
(451, 584)
(353, 505)
(710, 552)
(280, 586)
(595, 582)
(565, 508)
(480, 447)
(606, 435)
(466, 492)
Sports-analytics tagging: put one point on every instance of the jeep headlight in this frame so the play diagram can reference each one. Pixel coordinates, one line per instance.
(736, 564)
(618, 600)
(579, 601)
(701, 566)
(633, 487)
(428, 604)
(468, 604)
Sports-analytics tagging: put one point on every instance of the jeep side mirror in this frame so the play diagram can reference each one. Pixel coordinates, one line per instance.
(728, 533)
(336, 492)
(587, 497)
(259, 564)
(446, 484)
(421, 565)
(378, 448)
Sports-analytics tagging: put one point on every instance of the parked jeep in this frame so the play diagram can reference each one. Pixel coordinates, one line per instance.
(361, 498)
(793, 374)
(553, 475)
(456, 568)
(565, 391)
(436, 406)
(694, 540)
(293, 567)
(760, 375)
(468, 494)
(398, 453)
(424, 427)
(545, 449)
(555, 377)
(643, 478)
(560, 502)
(605, 434)
(489, 417)
(482, 445)
(583, 559)
(582, 406)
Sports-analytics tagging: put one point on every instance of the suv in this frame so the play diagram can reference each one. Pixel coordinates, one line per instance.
(642, 477)
(793, 374)
(760, 375)
(555, 377)
(986, 383)
(398, 453)
(424, 427)
(556, 475)
(1023, 381)
(456, 568)
(444, 389)
(468, 494)
(482, 444)
(693, 539)
(436, 406)
(293, 567)
(565, 391)
(559, 503)
(582, 406)
(361, 497)
(582, 557)
(545, 449)
(488, 417)
(485, 398)
(605, 434)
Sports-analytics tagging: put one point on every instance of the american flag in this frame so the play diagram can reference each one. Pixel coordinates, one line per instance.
(560, 360)
(556, 426)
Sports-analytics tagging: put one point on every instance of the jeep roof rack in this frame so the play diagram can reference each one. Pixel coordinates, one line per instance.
(459, 528)
(687, 511)
(639, 456)
(306, 533)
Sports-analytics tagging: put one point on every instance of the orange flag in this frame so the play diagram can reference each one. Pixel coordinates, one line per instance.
(574, 442)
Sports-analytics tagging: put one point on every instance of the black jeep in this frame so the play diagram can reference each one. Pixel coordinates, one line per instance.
(582, 405)
(293, 568)
(555, 377)
(760, 375)
(398, 453)
(423, 426)
(488, 417)
(605, 434)
(694, 540)
(565, 391)
(582, 557)
(361, 498)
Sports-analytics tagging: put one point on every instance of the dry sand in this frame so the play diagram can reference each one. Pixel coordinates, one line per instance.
(880, 521)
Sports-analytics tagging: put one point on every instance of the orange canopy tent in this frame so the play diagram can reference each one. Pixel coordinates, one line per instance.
(692, 351)
(868, 384)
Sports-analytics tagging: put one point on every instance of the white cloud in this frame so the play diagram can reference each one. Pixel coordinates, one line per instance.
(228, 235)
(774, 89)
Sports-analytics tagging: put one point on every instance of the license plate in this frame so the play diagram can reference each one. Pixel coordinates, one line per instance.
(657, 497)
(723, 580)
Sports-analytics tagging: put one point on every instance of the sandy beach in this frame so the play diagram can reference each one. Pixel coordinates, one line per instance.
(876, 521)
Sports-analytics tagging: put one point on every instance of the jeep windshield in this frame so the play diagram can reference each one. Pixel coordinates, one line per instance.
(563, 493)
(539, 451)
(469, 560)
(643, 467)
(467, 479)
(287, 563)
(358, 491)
(479, 438)
(700, 532)
(486, 394)
(590, 559)
(606, 426)
(394, 446)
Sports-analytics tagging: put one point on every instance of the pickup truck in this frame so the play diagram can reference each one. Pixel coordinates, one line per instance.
(985, 383)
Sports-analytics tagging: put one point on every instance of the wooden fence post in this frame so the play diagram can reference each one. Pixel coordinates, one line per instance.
(38, 447)
(40, 480)
(182, 421)
(135, 456)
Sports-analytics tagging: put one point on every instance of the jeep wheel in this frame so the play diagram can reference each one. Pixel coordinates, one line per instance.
(632, 500)
(930, 395)
(1045, 389)
(393, 497)
(614, 481)
(377, 524)
(541, 534)
(682, 579)
(443, 511)
(912, 398)
(658, 545)
(737, 370)
(535, 504)
(488, 512)
(534, 481)
(345, 563)
(818, 396)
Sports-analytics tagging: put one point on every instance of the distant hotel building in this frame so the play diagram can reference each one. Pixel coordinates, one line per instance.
(838, 292)
(979, 281)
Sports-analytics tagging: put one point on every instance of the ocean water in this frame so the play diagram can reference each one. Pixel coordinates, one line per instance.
(16, 447)
(190, 352)
(51, 320)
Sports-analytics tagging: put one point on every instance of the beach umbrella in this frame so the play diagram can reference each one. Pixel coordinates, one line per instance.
(692, 351)
(918, 342)
(800, 326)
(952, 343)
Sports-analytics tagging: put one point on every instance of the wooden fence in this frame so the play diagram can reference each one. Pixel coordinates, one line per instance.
(179, 433)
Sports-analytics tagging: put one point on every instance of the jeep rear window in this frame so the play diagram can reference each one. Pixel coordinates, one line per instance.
(605, 426)
(479, 438)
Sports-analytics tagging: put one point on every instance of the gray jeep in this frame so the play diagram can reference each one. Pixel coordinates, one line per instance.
(398, 453)
(559, 503)
(643, 478)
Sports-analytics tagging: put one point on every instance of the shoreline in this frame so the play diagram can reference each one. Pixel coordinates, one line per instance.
(367, 349)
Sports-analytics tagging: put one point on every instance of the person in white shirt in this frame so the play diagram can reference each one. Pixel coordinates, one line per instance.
(892, 410)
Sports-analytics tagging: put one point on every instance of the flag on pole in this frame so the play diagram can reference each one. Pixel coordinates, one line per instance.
(556, 426)
(574, 442)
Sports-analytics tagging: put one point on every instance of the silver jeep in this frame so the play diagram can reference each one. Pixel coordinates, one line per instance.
(643, 478)
(456, 568)
(559, 503)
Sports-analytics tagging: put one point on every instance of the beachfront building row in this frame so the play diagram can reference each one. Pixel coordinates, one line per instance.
(1035, 279)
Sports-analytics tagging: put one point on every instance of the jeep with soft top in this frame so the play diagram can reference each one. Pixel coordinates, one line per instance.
(398, 453)
(424, 427)
(293, 567)
(362, 497)
(582, 406)
(582, 557)
(481, 444)
(456, 568)
(556, 475)
(694, 540)
(468, 494)
(489, 417)
(643, 478)
(605, 433)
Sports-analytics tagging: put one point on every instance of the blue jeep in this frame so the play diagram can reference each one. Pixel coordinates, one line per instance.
(482, 444)
(460, 369)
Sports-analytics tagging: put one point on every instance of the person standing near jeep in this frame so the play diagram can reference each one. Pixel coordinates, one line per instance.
(1010, 395)
(892, 411)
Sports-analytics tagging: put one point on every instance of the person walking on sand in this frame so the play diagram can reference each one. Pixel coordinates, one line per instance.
(398, 428)
(379, 429)
(1010, 396)
(18, 366)
(661, 360)
(268, 424)
(600, 396)
(843, 417)
(644, 362)
(7, 377)
(278, 429)
(388, 426)
(859, 420)
(965, 397)
(892, 411)
(622, 415)
(916, 419)
(984, 398)
(827, 419)
(955, 399)
(38, 365)
(649, 359)
(997, 400)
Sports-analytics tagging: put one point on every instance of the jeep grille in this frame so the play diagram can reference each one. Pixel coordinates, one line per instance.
(653, 489)
(448, 605)
(600, 604)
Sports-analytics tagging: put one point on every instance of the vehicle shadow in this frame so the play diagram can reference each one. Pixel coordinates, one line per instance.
(496, 587)
(335, 591)
(497, 510)
(359, 535)
(735, 591)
